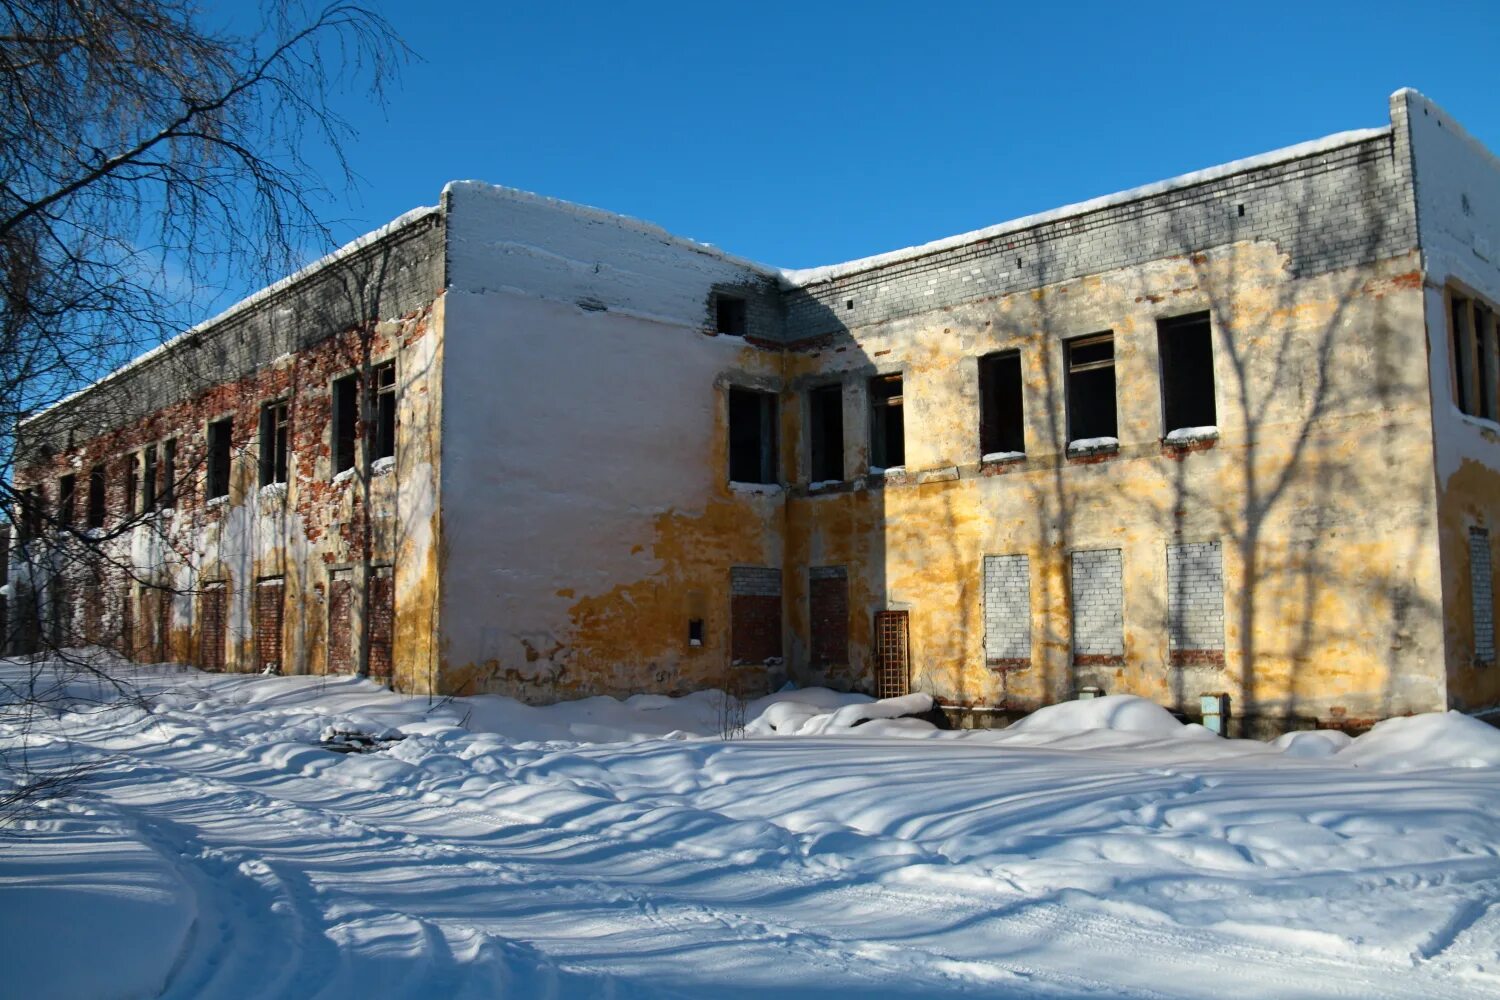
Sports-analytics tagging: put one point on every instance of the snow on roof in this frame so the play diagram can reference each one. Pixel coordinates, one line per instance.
(590, 213)
(815, 275)
(250, 301)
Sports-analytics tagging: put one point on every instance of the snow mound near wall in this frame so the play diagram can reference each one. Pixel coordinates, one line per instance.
(1117, 712)
(1421, 742)
(792, 716)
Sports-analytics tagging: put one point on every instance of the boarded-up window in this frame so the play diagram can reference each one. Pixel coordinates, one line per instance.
(752, 436)
(828, 614)
(754, 613)
(825, 426)
(156, 621)
(1482, 591)
(1195, 603)
(1098, 607)
(1091, 388)
(1007, 611)
(887, 424)
(892, 655)
(213, 624)
(341, 658)
(1001, 417)
(380, 628)
(1187, 371)
(126, 642)
(269, 597)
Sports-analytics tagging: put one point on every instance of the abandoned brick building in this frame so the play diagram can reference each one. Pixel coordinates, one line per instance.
(1233, 432)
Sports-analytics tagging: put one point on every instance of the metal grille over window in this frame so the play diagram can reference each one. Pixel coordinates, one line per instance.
(1482, 593)
(892, 655)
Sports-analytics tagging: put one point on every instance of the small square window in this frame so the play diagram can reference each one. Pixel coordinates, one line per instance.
(729, 315)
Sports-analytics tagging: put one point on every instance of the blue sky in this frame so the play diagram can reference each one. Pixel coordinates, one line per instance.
(801, 134)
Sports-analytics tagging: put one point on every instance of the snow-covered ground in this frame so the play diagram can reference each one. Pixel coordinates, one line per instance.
(1098, 849)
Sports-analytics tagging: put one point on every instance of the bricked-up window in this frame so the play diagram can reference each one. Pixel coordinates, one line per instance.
(148, 497)
(341, 622)
(384, 443)
(1187, 371)
(887, 429)
(168, 486)
(67, 488)
(213, 621)
(1007, 611)
(269, 594)
(380, 623)
(729, 315)
(345, 420)
(752, 436)
(828, 614)
(1091, 388)
(1195, 604)
(1001, 418)
(132, 481)
(754, 614)
(96, 497)
(1098, 606)
(220, 434)
(1482, 596)
(825, 426)
(274, 443)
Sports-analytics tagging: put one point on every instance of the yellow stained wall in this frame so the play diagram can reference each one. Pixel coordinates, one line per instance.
(1320, 490)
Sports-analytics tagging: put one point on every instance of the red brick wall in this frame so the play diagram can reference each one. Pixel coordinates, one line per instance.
(341, 625)
(382, 620)
(213, 621)
(829, 616)
(269, 597)
(754, 628)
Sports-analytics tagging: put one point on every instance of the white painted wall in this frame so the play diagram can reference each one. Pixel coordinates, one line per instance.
(1458, 219)
(567, 431)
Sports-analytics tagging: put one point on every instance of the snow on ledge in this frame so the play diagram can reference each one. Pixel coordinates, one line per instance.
(814, 275)
(1083, 445)
(1187, 435)
(761, 489)
(1001, 456)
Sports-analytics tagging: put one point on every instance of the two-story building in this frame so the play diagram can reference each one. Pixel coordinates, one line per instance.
(1235, 432)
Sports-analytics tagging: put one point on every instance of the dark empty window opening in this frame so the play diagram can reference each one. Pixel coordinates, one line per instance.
(219, 435)
(1484, 359)
(67, 487)
(384, 443)
(273, 442)
(345, 419)
(1091, 388)
(825, 406)
(1001, 417)
(148, 496)
(168, 485)
(1463, 354)
(695, 631)
(132, 481)
(752, 436)
(31, 514)
(1187, 371)
(887, 430)
(729, 315)
(96, 497)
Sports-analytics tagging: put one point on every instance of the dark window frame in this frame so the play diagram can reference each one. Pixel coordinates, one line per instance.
(1187, 398)
(343, 395)
(98, 501)
(220, 457)
(754, 417)
(1082, 371)
(383, 404)
(275, 441)
(1002, 413)
(731, 314)
(887, 421)
(67, 494)
(825, 463)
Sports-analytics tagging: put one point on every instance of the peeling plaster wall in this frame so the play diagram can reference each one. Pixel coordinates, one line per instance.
(584, 482)
(300, 531)
(1458, 217)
